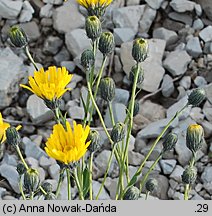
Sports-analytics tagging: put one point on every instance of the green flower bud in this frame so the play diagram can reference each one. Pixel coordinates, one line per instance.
(21, 169)
(13, 137)
(196, 97)
(169, 141)
(50, 196)
(31, 180)
(47, 187)
(94, 137)
(136, 108)
(118, 132)
(106, 43)
(140, 74)
(132, 193)
(107, 89)
(87, 59)
(140, 49)
(93, 27)
(189, 175)
(151, 184)
(18, 37)
(194, 137)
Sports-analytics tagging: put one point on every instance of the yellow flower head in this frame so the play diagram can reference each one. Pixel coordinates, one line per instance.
(3, 128)
(67, 145)
(49, 85)
(95, 7)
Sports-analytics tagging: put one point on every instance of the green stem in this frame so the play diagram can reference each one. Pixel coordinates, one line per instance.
(30, 58)
(21, 189)
(31, 195)
(97, 86)
(138, 172)
(21, 157)
(186, 194)
(147, 194)
(59, 184)
(90, 175)
(149, 171)
(111, 113)
(78, 185)
(106, 172)
(68, 183)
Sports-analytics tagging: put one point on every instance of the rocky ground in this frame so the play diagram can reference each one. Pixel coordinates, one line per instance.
(180, 59)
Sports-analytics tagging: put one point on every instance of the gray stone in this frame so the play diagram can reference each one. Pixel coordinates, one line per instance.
(147, 19)
(2, 192)
(162, 33)
(133, 2)
(32, 150)
(176, 62)
(54, 2)
(119, 112)
(101, 163)
(70, 65)
(77, 42)
(177, 173)
(128, 17)
(54, 171)
(118, 69)
(46, 11)
(207, 7)
(182, 5)
(155, 4)
(37, 110)
(208, 90)
(76, 112)
(152, 65)
(32, 162)
(32, 30)
(63, 14)
(46, 162)
(121, 96)
(207, 126)
(167, 166)
(197, 115)
(207, 175)
(206, 34)
(183, 18)
(10, 9)
(122, 35)
(74, 81)
(135, 158)
(200, 81)
(11, 175)
(156, 169)
(198, 9)
(12, 71)
(167, 86)
(154, 129)
(52, 45)
(178, 196)
(62, 55)
(208, 113)
(193, 47)
(27, 12)
(104, 195)
(197, 197)
(9, 159)
(185, 82)
(198, 24)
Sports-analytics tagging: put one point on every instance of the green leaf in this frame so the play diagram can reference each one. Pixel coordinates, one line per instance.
(86, 182)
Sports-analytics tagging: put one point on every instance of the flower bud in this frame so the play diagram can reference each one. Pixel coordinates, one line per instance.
(31, 180)
(196, 97)
(87, 59)
(189, 175)
(94, 137)
(151, 184)
(133, 73)
(93, 27)
(107, 89)
(169, 141)
(118, 132)
(132, 193)
(47, 187)
(18, 37)
(21, 169)
(136, 108)
(140, 49)
(13, 137)
(106, 43)
(194, 137)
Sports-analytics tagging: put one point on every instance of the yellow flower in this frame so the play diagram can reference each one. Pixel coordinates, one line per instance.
(3, 128)
(49, 85)
(94, 3)
(67, 145)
